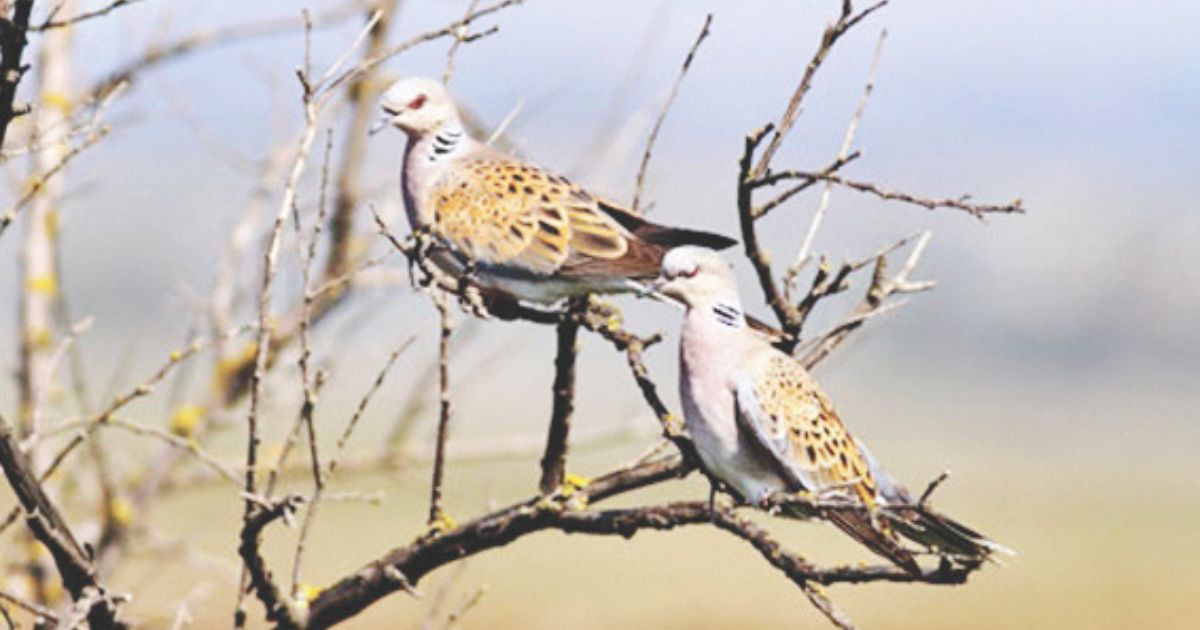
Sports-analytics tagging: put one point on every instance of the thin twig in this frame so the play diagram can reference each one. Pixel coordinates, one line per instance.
(348, 186)
(662, 114)
(188, 44)
(460, 36)
(47, 525)
(335, 459)
(789, 278)
(37, 183)
(446, 327)
(873, 303)
(52, 23)
(958, 203)
(29, 607)
(846, 20)
(450, 30)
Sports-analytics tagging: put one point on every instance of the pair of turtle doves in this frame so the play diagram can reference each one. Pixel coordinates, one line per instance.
(759, 421)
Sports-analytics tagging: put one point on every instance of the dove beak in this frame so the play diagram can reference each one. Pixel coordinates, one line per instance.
(388, 119)
(651, 289)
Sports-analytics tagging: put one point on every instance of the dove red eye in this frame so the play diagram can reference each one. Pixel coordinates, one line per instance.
(418, 102)
(688, 273)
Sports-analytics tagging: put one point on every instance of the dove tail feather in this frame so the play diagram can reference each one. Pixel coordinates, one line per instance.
(661, 235)
(859, 527)
(943, 534)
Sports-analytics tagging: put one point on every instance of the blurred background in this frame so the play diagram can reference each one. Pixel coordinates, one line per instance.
(1053, 370)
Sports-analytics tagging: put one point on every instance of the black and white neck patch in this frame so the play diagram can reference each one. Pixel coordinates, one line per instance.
(445, 142)
(727, 314)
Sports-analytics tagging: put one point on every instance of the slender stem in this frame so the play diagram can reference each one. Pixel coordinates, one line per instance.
(554, 458)
(441, 300)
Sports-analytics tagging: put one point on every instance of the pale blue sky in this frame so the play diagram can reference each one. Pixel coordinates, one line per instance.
(1083, 109)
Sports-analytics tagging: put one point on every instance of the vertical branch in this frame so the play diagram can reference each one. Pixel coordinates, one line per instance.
(331, 467)
(48, 526)
(40, 284)
(265, 326)
(460, 36)
(802, 256)
(270, 258)
(39, 258)
(13, 38)
(662, 115)
(760, 259)
(554, 459)
(442, 301)
(845, 21)
(349, 176)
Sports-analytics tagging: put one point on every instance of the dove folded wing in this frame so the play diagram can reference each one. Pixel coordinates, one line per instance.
(498, 211)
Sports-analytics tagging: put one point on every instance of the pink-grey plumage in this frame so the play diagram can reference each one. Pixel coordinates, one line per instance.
(763, 426)
(514, 227)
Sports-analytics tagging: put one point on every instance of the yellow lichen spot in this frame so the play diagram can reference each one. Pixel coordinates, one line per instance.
(306, 593)
(58, 101)
(579, 482)
(40, 338)
(34, 549)
(120, 511)
(443, 523)
(33, 183)
(53, 592)
(231, 366)
(176, 356)
(53, 222)
(46, 284)
(186, 420)
(672, 424)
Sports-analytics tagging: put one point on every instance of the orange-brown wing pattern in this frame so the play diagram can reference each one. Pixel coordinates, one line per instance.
(498, 210)
(795, 420)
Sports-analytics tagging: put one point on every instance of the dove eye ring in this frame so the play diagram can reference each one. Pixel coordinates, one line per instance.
(688, 273)
(418, 102)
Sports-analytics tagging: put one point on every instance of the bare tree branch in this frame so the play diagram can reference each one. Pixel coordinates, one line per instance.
(842, 156)
(13, 38)
(48, 526)
(832, 33)
(554, 459)
(446, 328)
(53, 22)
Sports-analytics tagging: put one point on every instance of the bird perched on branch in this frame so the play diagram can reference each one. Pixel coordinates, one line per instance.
(763, 427)
(511, 227)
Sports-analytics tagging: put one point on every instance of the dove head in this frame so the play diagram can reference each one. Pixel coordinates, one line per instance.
(697, 276)
(418, 106)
